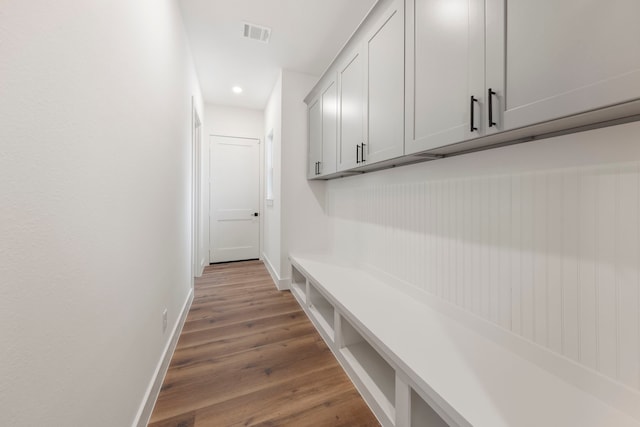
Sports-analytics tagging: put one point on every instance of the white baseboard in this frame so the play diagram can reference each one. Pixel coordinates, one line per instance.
(149, 401)
(281, 284)
(285, 284)
(203, 264)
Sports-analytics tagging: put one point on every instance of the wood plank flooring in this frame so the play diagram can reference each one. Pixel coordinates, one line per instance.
(249, 356)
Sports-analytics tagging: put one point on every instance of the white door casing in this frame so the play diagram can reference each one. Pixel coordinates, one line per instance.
(196, 208)
(234, 225)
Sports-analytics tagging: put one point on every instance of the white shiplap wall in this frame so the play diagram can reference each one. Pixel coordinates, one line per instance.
(548, 249)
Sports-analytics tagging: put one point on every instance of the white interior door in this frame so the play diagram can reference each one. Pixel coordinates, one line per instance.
(234, 199)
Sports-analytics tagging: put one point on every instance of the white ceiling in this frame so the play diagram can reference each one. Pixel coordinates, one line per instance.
(306, 35)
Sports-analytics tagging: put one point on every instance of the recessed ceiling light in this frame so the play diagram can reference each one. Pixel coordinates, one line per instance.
(236, 89)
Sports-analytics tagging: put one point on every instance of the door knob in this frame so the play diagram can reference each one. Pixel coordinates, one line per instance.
(255, 214)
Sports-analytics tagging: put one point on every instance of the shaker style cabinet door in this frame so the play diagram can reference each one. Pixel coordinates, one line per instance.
(445, 72)
(315, 137)
(329, 129)
(351, 111)
(384, 50)
(548, 59)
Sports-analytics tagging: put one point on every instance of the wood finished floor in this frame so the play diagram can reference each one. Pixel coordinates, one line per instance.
(249, 356)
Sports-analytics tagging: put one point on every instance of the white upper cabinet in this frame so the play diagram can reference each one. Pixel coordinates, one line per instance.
(323, 120)
(548, 59)
(445, 72)
(448, 76)
(384, 83)
(315, 137)
(351, 111)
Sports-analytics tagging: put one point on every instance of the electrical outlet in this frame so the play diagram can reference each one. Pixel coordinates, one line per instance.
(164, 320)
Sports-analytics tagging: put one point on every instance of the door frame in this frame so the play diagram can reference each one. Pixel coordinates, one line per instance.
(261, 190)
(196, 196)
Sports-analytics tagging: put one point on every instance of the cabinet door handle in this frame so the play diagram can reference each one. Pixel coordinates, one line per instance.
(358, 153)
(472, 102)
(490, 94)
(362, 152)
(319, 163)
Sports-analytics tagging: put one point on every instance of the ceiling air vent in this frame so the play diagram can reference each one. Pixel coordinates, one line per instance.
(256, 32)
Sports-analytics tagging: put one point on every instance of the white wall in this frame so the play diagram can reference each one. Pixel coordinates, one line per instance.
(234, 121)
(95, 158)
(542, 239)
(296, 221)
(304, 222)
(272, 217)
(226, 121)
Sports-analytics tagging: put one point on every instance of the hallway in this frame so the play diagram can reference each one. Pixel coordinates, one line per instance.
(249, 356)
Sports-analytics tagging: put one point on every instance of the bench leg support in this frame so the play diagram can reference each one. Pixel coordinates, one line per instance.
(403, 402)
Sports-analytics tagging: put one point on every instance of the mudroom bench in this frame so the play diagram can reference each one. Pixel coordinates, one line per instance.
(422, 362)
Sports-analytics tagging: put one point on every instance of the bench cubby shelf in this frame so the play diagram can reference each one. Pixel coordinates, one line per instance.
(421, 362)
(423, 415)
(321, 310)
(373, 371)
(299, 286)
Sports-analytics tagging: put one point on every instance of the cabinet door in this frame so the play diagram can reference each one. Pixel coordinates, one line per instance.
(552, 59)
(384, 49)
(351, 102)
(445, 68)
(315, 137)
(329, 129)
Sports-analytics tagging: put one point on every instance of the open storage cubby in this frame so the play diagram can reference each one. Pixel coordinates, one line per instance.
(321, 309)
(299, 286)
(422, 415)
(371, 368)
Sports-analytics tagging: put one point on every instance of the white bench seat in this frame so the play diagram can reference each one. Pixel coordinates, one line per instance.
(467, 378)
